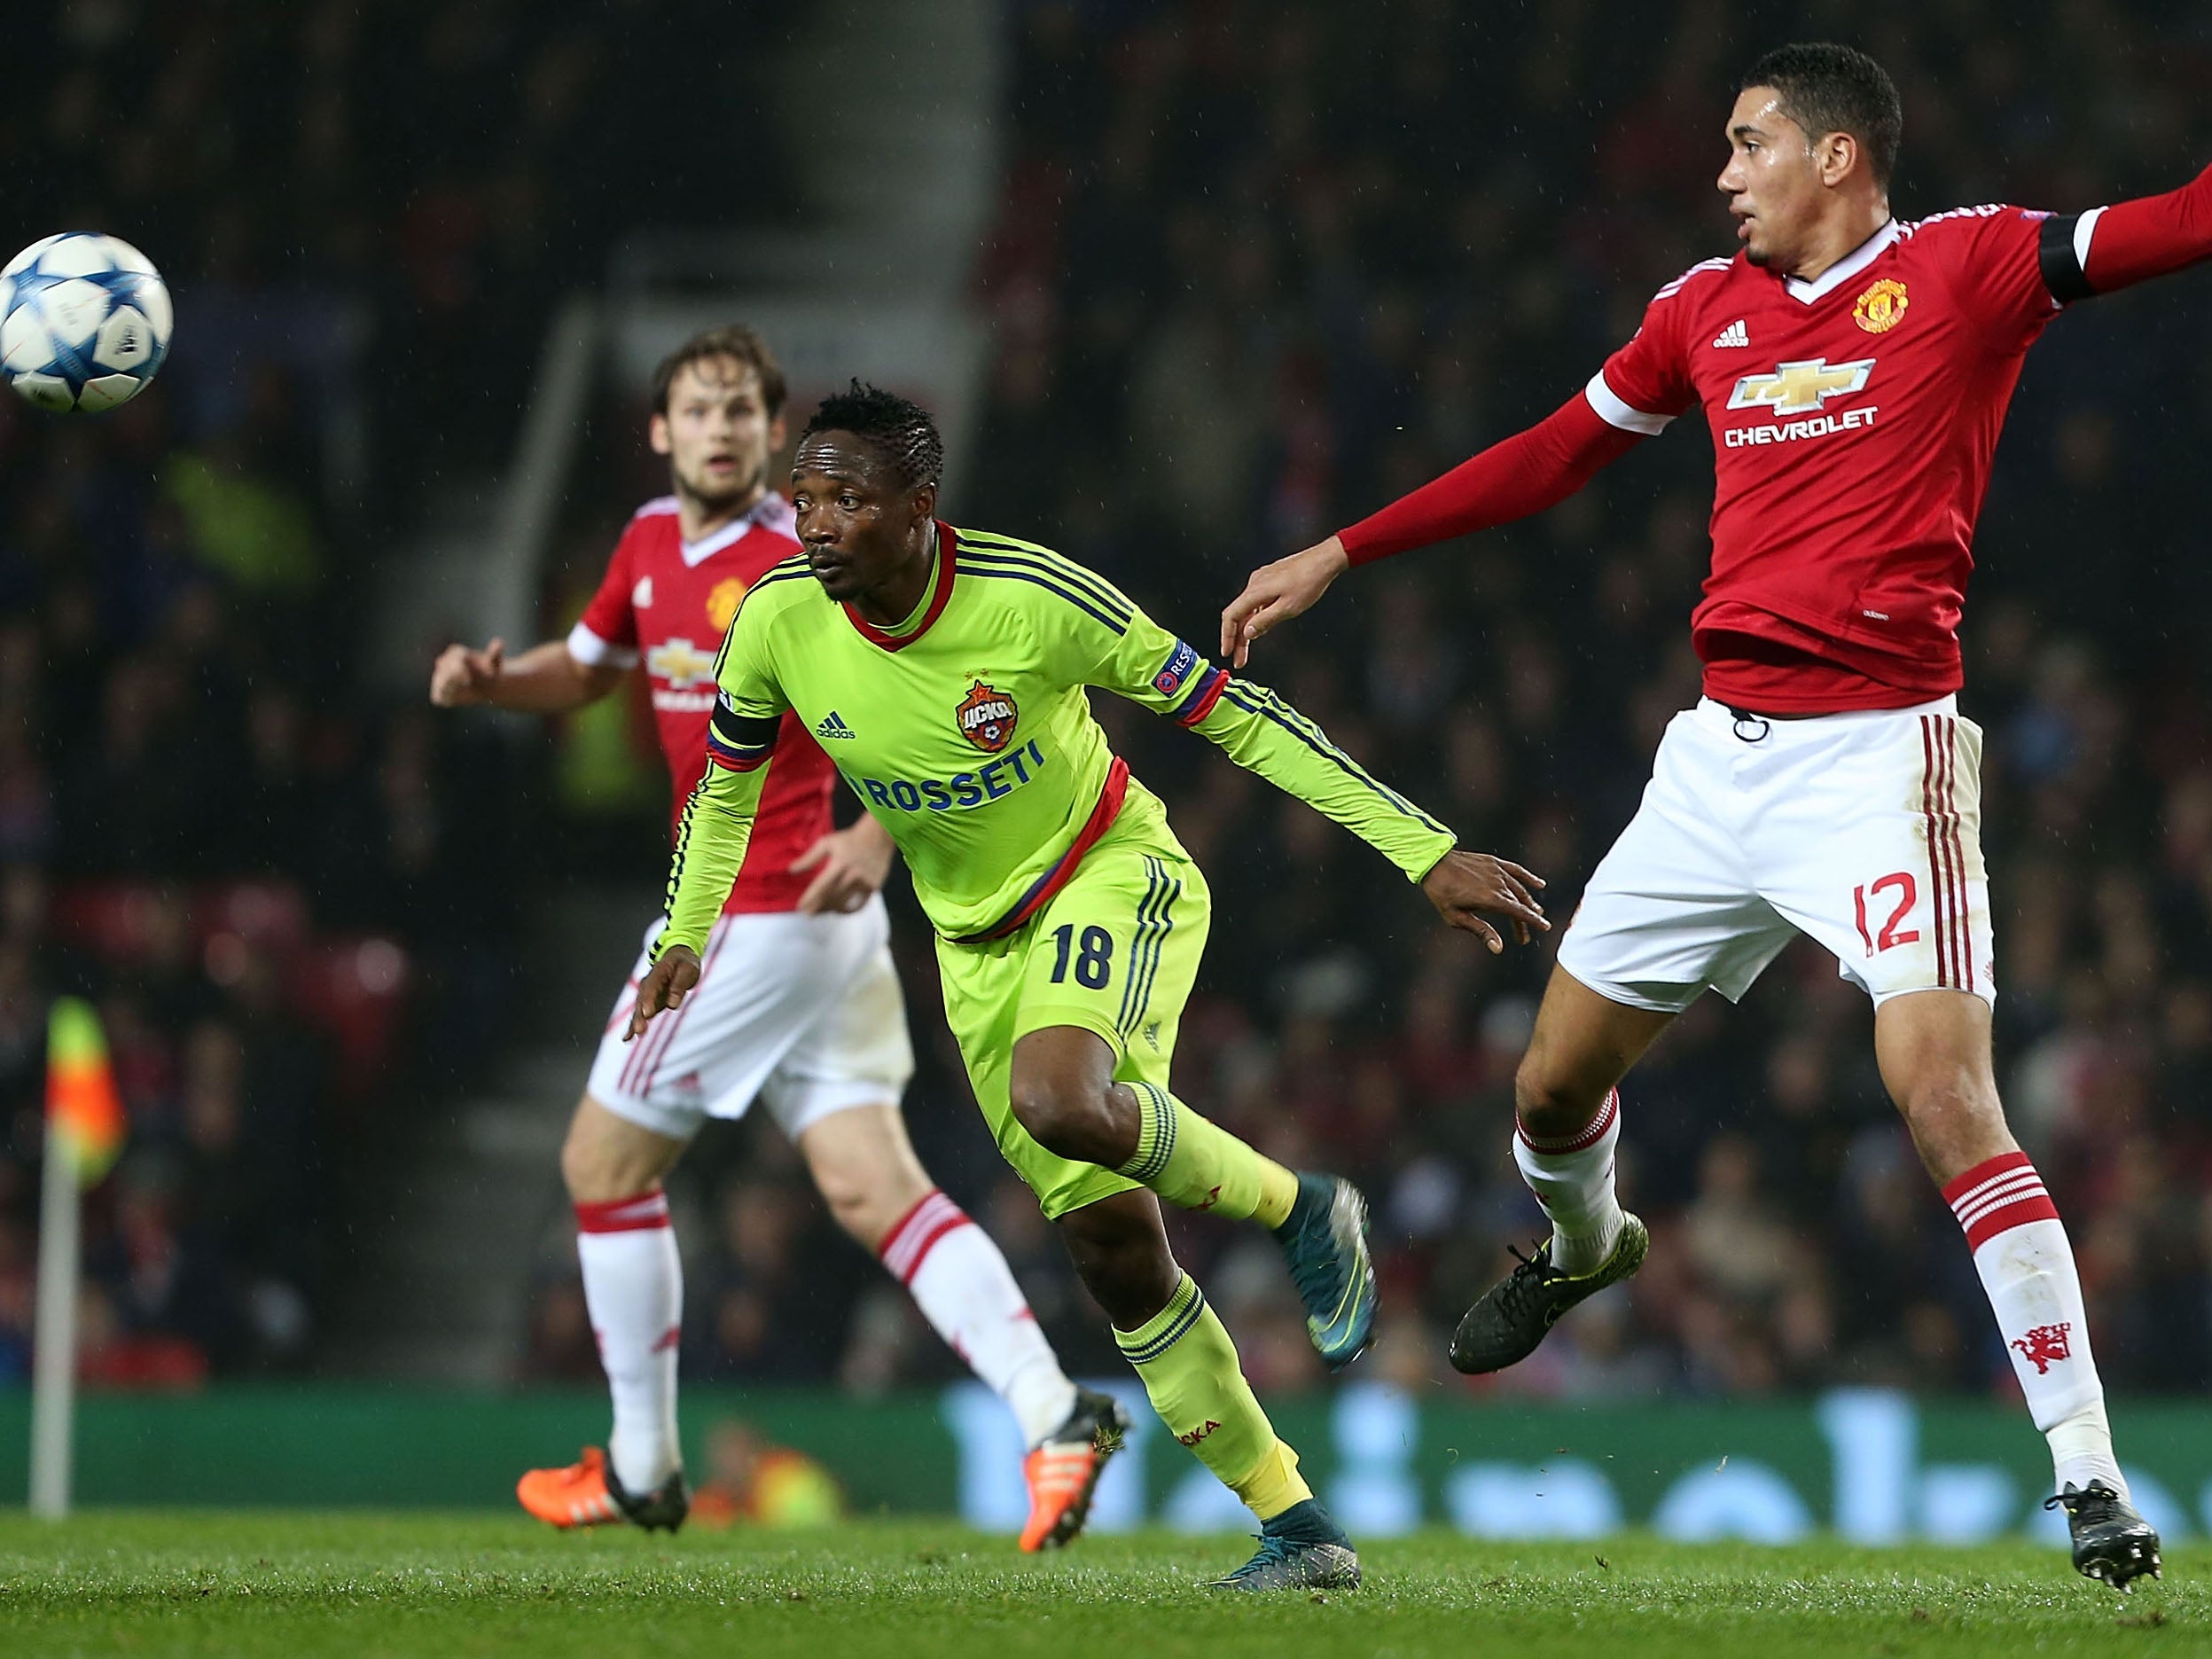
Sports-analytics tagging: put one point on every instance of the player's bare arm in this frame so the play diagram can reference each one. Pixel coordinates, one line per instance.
(850, 866)
(547, 679)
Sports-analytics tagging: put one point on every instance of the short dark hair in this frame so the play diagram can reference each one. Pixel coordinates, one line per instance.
(899, 428)
(731, 340)
(1826, 88)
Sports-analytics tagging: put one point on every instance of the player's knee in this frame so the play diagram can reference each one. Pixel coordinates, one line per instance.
(1950, 1096)
(1063, 1116)
(1551, 1106)
(596, 1172)
(862, 1201)
(584, 1170)
(857, 1208)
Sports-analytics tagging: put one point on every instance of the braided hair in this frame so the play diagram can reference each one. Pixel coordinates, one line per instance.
(898, 429)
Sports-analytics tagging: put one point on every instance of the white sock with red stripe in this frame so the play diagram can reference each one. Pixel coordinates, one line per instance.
(2026, 1266)
(633, 1284)
(967, 1292)
(1573, 1179)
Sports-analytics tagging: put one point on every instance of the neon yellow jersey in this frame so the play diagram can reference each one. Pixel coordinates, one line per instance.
(967, 733)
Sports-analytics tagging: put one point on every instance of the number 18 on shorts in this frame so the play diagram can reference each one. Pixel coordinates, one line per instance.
(1115, 952)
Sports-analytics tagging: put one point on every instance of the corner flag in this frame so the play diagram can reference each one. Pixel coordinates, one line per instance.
(84, 1115)
(84, 1135)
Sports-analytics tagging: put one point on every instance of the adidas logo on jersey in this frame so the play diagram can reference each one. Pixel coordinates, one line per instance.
(833, 725)
(1735, 335)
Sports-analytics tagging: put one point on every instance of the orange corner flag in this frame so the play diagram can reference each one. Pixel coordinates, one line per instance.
(84, 1113)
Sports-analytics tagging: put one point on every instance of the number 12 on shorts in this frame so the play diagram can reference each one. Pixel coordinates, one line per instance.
(1908, 892)
(1093, 956)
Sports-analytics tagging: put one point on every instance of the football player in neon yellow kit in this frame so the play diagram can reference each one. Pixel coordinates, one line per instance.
(945, 672)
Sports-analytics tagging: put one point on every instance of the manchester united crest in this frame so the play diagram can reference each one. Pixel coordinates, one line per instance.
(721, 603)
(987, 717)
(1882, 308)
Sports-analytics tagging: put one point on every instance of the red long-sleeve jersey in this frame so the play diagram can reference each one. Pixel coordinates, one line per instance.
(1854, 420)
(664, 604)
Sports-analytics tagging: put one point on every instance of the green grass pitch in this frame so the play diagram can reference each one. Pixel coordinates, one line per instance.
(362, 1585)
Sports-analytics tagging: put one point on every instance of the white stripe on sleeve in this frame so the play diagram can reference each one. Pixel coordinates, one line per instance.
(2084, 228)
(593, 652)
(1614, 412)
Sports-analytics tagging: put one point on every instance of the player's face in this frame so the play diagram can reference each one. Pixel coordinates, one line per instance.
(718, 432)
(1772, 179)
(862, 529)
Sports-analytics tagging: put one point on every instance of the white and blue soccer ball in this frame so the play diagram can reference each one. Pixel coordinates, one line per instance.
(85, 321)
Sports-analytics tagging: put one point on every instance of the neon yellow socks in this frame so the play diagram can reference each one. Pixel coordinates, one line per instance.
(1190, 1369)
(1199, 1165)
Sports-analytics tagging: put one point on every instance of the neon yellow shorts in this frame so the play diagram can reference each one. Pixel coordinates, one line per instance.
(1115, 952)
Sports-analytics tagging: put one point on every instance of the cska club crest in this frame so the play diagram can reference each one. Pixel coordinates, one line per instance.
(987, 717)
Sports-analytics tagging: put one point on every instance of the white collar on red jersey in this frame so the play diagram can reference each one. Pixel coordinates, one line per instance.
(772, 512)
(1849, 266)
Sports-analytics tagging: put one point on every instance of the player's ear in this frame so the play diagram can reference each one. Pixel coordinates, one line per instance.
(657, 434)
(1834, 155)
(775, 431)
(924, 502)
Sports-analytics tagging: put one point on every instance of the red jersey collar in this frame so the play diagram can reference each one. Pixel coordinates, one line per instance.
(939, 593)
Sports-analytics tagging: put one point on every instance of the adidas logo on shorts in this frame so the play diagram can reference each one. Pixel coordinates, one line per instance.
(833, 725)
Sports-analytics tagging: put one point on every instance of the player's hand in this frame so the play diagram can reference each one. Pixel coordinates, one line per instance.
(1465, 882)
(1277, 593)
(462, 677)
(664, 987)
(851, 866)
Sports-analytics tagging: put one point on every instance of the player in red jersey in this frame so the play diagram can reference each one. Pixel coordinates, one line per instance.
(799, 1005)
(1855, 371)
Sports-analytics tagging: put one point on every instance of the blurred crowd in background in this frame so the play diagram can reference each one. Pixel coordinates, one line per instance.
(1258, 269)
(294, 917)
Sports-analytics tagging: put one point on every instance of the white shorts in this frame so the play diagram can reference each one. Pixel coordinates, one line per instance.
(1862, 830)
(802, 1011)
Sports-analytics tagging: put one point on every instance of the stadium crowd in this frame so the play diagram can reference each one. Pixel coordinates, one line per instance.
(208, 823)
(1260, 269)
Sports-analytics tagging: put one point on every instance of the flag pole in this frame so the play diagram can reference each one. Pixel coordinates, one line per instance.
(85, 1128)
(54, 1339)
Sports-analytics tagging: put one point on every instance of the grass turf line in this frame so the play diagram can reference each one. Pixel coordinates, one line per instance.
(301, 1586)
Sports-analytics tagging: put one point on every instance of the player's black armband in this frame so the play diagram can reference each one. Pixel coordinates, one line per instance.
(740, 742)
(2062, 271)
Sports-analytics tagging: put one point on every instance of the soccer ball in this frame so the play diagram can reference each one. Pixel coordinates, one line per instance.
(85, 321)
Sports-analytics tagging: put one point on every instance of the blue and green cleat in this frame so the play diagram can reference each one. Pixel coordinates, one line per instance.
(1325, 1245)
(1301, 1549)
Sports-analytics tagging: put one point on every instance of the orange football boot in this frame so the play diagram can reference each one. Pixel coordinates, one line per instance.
(1063, 1472)
(586, 1494)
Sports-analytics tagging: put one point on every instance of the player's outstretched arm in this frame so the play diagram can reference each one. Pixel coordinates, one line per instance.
(546, 679)
(2132, 241)
(1265, 734)
(1529, 473)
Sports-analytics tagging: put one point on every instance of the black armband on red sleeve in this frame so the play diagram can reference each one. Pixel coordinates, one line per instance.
(2058, 255)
